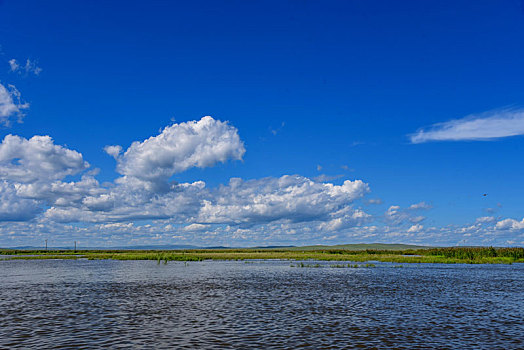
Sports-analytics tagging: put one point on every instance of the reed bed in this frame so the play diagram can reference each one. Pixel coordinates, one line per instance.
(477, 253)
(480, 255)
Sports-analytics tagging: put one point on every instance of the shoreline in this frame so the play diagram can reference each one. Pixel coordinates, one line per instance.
(454, 255)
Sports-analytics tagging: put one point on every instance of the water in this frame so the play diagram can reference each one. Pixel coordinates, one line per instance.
(261, 304)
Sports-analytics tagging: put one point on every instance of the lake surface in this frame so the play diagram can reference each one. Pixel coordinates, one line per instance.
(259, 304)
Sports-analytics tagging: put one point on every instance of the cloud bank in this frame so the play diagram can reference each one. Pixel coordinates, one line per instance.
(486, 126)
(51, 191)
(34, 187)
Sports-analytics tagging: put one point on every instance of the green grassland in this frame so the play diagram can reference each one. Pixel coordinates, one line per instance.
(362, 253)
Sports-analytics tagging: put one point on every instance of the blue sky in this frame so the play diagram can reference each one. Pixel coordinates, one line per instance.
(346, 121)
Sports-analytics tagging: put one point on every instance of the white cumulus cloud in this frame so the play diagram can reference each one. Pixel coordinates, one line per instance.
(178, 147)
(415, 228)
(291, 197)
(113, 151)
(32, 170)
(38, 158)
(510, 224)
(196, 227)
(13, 207)
(10, 104)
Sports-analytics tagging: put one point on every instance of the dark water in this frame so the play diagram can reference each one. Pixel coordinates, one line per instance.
(262, 305)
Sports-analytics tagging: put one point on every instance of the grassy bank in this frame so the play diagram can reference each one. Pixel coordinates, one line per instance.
(483, 255)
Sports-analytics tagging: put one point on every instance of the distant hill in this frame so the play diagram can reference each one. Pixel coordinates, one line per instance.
(144, 247)
(376, 246)
(137, 247)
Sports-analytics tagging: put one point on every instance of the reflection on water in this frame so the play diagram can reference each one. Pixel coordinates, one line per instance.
(263, 304)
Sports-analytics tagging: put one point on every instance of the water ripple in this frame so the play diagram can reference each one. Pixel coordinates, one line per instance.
(266, 304)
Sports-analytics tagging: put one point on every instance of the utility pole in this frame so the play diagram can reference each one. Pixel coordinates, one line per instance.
(46, 244)
(75, 246)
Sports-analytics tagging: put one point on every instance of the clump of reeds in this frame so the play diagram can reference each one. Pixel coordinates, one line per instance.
(474, 253)
(353, 266)
(301, 264)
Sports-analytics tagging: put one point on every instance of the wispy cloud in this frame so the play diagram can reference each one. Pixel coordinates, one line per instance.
(277, 130)
(420, 205)
(327, 178)
(397, 215)
(28, 67)
(485, 126)
(14, 65)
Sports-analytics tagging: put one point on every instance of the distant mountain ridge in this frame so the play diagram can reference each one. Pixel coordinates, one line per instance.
(363, 246)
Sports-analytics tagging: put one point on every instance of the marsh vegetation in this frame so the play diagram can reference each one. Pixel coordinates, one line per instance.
(450, 255)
